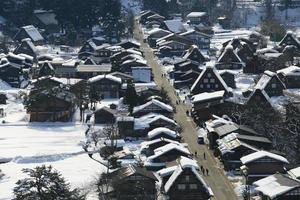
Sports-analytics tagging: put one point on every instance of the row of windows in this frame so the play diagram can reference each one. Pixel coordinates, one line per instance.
(209, 86)
(185, 186)
(211, 80)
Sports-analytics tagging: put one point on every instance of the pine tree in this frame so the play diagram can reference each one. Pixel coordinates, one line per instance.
(130, 97)
(44, 183)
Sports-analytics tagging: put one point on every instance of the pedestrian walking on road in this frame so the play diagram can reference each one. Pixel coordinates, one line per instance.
(207, 172)
(204, 156)
(202, 170)
(196, 154)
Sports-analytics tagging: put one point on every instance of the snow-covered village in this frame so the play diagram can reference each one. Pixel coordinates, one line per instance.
(149, 99)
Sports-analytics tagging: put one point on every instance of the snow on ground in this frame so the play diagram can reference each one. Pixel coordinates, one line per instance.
(56, 144)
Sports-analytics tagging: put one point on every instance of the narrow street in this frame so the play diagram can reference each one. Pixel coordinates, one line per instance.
(218, 182)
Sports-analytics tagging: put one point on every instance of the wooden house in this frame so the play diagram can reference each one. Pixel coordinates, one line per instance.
(172, 48)
(278, 186)
(196, 18)
(87, 50)
(173, 25)
(128, 44)
(46, 69)
(124, 77)
(144, 16)
(26, 47)
(16, 59)
(105, 86)
(231, 150)
(126, 66)
(202, 40)
(271, 84)
(155, 34)
(187, 65)
(153, 106)
(229, 60)
(11, 73)
(185, 79)
(165, 154)
(229, 77)
(29, 32)
(181, 180)
(194, 54)
(290, 76)
(148, 147)
(55, 104)
(89, 61)
(207, 104)
(131, 182)
(117, 58)
(88, 71)
(290, 39)
(105, 115)
(162, 132)
(261, 164)
(259, 98)
(209, 81)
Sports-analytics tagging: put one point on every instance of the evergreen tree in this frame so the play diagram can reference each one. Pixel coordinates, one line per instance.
(130, 97)
(44, 183)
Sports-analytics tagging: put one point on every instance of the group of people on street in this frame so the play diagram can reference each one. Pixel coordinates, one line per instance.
(203, 170)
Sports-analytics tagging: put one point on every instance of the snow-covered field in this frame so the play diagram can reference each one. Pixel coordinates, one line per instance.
(55, 144)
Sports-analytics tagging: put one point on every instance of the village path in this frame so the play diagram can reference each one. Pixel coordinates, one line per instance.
(218, 182)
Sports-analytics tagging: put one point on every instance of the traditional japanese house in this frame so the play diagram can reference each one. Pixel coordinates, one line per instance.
(290, 76)
(162, 132)
(181, 180)
(46, 69)
(196, 18)
(207, 104)
(105, 115)
(26, 47)
(153, 106)
(194, 53)
(202, 40)
(261, 164)
(278, 186)
(209, 81)
(155, 34)
(271, 84)
(123, 183)
(290, 39)
(29, 32)
(128, 44)
(165, 154)
(229, 60)
(89, 71)
(105, 86)
(148, 147)
(55, 104)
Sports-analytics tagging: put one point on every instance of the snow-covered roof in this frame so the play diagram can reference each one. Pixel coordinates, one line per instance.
(146, 144)
(290, 71)
(196, 14)
(295, 172)
(275, 185)
(166, 148)
(33, 33)
(46, 17)
(228, 50)
(100, 77)
(10, 54)
(175, 25)
(146, 120)
(184, 164)
(261, 154)
(155, 132)
(207, 96)
(158, 103)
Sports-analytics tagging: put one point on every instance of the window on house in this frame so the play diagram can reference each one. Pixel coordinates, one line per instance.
(208, 75)
(212, 80)
(181, 186)
(193, 186)
(208, 86)
(216, 86)
(205, 80)
(273, 85)
(201, 85)
(187, 178)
